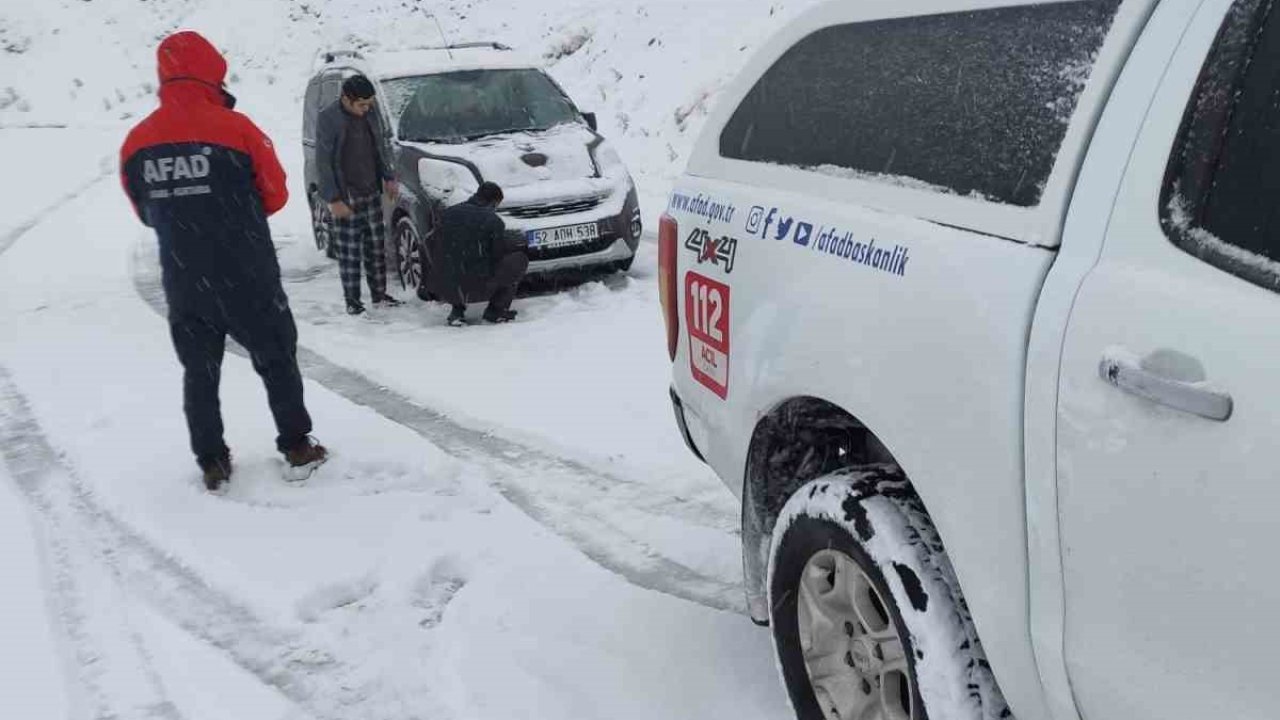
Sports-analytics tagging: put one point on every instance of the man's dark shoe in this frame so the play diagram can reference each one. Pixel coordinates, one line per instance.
(217, 474)
(303, 459)
(457, 317)
(355, 307)
(497, 318)
(386, 301)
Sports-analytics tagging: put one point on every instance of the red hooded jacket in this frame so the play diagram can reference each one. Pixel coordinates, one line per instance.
(203, 176)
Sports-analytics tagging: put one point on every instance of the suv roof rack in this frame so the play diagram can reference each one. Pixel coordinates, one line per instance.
(464, 46)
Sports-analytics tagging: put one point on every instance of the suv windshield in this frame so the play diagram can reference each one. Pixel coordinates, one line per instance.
(455, 106)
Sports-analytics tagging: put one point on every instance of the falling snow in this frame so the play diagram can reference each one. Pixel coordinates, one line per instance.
(510, 525)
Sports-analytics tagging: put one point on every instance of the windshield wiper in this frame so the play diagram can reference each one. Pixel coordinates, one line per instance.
(479, 135)
(509, 131)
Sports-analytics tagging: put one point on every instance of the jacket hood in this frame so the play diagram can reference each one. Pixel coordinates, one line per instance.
(187, 54)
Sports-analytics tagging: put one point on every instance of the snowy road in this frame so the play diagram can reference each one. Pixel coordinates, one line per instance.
(510, 526)
(579, 502)
(437, 554)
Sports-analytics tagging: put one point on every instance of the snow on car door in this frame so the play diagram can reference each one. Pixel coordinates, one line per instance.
(1169, 401)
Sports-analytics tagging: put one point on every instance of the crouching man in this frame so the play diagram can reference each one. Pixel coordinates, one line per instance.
(473, 261)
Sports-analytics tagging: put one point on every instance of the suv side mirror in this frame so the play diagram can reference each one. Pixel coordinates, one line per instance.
(591, 121)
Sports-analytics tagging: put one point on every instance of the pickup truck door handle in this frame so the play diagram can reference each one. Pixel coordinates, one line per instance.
(1194, 397)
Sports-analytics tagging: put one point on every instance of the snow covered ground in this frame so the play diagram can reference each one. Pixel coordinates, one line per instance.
(510, 526)
(403, 581)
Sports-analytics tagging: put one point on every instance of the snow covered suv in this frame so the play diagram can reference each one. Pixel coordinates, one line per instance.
(456, 116)
(974, 304)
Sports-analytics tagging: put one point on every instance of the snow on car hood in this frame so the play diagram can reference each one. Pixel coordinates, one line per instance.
(537, 165)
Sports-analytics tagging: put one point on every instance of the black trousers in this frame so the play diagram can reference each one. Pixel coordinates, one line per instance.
(267, 332)
(504, 282)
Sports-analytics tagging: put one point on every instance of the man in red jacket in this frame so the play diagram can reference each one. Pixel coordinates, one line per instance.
(205, 179)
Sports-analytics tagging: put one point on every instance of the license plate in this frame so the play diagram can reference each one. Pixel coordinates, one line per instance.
(568, 235)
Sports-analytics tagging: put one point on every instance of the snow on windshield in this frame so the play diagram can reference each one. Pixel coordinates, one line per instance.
(467, 104)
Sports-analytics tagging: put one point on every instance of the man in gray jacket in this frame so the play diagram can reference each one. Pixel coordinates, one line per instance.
(354, 172)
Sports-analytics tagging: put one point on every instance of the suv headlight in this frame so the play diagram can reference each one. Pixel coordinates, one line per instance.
(451, 182)
(608, 160)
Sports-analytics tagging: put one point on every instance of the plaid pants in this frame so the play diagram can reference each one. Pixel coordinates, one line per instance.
(363, 236)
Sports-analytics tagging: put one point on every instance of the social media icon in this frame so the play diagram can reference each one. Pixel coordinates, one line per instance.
(784, 228)
(804, 231)
(768, 222)
(753, 220)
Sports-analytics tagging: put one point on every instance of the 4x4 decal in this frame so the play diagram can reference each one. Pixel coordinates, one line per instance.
(717, 251)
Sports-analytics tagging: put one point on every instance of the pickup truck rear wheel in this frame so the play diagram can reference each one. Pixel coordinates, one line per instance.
(866, 613)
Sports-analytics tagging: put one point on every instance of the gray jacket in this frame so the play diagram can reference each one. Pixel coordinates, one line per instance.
(331, 133)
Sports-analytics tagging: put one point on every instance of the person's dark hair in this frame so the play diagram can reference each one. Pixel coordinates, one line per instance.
(490, 193)
(357, 87)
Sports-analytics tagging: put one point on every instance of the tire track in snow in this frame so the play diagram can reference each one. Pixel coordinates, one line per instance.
(9, 238)
(113, 671)
(564, 495)
(301, 666)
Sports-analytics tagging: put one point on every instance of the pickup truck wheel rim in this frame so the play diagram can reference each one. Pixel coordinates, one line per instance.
(852, 650)
(407, 246)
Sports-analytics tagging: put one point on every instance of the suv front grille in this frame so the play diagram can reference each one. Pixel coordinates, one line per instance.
(563, 207)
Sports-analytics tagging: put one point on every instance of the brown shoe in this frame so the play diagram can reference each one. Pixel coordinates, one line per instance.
(303, 459)
(217, 473)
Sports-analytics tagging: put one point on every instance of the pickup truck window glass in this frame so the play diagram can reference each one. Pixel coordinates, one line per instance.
(974, 103)
(1220, 201)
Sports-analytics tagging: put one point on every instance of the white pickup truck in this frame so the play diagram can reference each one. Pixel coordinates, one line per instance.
(975, 306)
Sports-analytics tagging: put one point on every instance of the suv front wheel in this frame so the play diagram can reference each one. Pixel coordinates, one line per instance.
(866, 613)
(409, 261)
(322, 227)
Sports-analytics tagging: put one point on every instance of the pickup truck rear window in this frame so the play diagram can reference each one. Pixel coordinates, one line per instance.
(973, 103)
(1220, 196)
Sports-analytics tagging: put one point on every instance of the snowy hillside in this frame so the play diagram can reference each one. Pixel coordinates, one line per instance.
(510, 525)
(650, 70)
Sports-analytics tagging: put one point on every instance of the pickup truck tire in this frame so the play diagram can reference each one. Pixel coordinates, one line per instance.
(867, 617)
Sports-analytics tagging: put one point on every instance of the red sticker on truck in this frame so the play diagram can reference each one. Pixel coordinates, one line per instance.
(706, 310)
